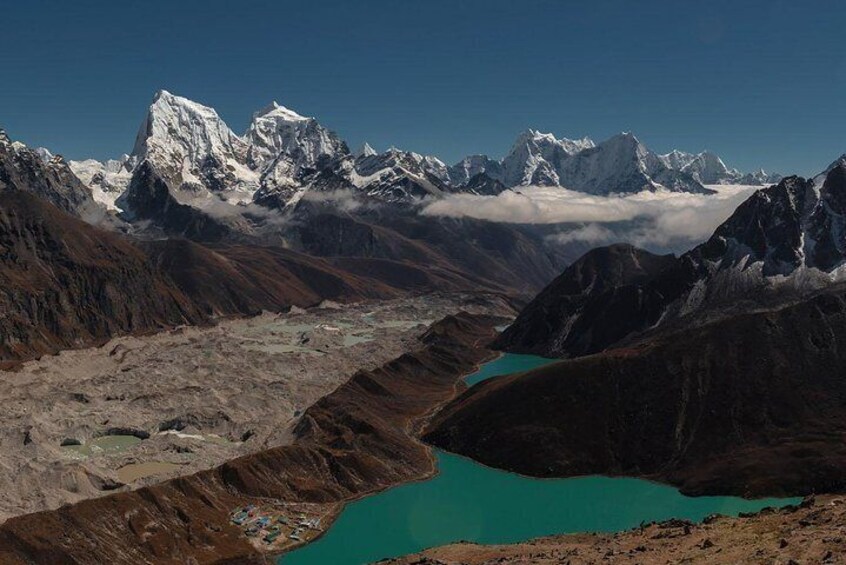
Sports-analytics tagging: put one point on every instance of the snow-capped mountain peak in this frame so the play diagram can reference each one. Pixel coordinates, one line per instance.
(625, 141)
(365, 150)
(535, 158)
(106, 179)
(709, 168)
(547, 139)
(197, 129)
(283, 144)
(473, 165)
(44, 153)
(193, 149)
(280, 111)
(201, 160)
(820, 178)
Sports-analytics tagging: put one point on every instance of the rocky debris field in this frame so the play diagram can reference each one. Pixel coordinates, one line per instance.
(360, 438)
(141, 409)
(813, 532)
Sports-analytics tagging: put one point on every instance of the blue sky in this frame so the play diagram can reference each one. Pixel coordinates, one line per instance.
(761, 83)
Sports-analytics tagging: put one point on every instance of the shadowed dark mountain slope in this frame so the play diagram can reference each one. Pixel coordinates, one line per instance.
(752, 405)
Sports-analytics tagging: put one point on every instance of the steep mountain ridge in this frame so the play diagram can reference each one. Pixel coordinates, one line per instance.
(782, 243)
(194, 150)
(67, 284)
(46, 176)
(536, 158)
(282, 144)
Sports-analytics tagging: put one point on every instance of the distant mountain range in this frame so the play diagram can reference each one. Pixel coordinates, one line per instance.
(283, 156)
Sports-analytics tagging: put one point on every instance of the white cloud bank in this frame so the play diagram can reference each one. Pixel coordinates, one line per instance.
(664, 220)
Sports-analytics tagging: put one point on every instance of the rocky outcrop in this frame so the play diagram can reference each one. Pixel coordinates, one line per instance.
(484, 185)
(150, 199)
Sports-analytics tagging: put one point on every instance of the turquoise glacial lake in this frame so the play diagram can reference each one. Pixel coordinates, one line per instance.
(468, 501)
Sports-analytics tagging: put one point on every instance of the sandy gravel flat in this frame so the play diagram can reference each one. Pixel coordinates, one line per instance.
(197, 396)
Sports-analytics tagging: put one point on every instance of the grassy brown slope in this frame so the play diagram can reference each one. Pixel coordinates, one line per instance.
(752, 406)
(230, 279)
(66, 284)
(357, 440)
(488, 254)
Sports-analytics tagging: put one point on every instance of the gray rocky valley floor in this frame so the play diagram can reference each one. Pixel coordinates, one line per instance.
(140, 409)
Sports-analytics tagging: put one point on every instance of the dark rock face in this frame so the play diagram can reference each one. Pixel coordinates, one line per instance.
(22, 169)
(150, 199)
(828, 222)
(484, 185)
(490, 255)
(767, 227)
(64, 283)
(594, 303)
(752, 405)
(780, 230)
(793, 224)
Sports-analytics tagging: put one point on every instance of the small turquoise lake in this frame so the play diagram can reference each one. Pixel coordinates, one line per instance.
(468, 501)
(505, 365)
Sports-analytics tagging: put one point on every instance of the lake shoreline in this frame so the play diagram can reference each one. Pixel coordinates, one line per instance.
(349, 531)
